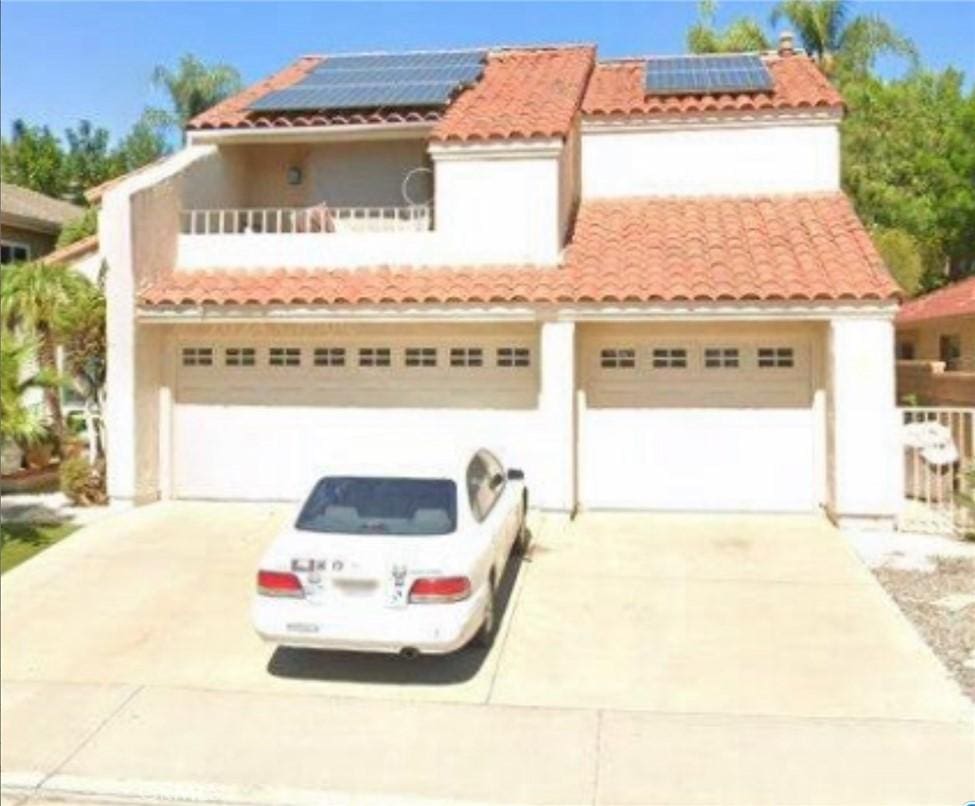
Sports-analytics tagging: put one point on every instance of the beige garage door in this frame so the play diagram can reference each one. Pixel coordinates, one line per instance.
(259, 414)
(719, 418)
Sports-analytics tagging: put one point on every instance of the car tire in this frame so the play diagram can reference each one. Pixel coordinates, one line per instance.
(524, 536)
(489, 627)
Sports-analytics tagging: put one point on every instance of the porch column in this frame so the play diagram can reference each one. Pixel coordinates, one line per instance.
(557, 425)
(866, 467)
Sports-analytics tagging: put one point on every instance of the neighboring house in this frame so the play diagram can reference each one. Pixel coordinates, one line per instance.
(84, 256)
(936, 346)
(645, 298)
(30, 223)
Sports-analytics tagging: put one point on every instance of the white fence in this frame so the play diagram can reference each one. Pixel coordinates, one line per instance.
(939, 447)
(305, 220)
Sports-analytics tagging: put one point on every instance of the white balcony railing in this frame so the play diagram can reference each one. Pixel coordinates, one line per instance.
(306, 220)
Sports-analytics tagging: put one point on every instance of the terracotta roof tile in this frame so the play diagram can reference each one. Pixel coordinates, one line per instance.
(809, 247)
(522, 93)
(957, 299)
(617, 88)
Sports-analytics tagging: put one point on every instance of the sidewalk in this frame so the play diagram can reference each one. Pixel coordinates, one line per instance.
(238, 747)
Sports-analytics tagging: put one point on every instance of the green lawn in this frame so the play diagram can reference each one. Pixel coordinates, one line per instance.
(21, 541)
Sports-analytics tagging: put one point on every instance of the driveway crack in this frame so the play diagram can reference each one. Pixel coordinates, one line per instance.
(90, 735)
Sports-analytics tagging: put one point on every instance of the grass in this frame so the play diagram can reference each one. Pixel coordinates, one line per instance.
(21, 541)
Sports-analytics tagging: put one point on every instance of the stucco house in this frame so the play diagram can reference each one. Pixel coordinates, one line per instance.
(936, 346)
(645, 298)
(30, 222)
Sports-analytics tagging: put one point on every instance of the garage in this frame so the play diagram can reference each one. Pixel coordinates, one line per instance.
(707, 417)
(259, 411)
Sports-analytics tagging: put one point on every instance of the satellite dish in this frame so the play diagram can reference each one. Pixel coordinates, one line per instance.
(414, 188)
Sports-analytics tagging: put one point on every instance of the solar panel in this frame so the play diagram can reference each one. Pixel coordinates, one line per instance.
(704, 75)
(379, 80)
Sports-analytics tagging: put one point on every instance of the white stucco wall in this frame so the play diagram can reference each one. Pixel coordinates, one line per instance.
(864, 426)
(501, 201)
(712, 158)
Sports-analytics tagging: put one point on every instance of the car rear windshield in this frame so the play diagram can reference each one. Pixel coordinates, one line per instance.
(381, 506)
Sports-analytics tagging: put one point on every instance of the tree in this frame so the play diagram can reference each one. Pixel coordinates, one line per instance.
(33, 158)
(77, 228)
(902, 255)
(909, 164)
(17, 422)
(89, 161)
(143, 144)
(31, 298)
(840, 46)
(193, 87)
(741, 36)
(80, 329)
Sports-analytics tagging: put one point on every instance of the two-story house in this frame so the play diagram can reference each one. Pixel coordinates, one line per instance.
(638, 280)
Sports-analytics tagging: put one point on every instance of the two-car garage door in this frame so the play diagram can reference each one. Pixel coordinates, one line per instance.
(260, 413)
(707, 418)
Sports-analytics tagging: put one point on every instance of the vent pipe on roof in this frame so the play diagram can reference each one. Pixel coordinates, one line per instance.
(786, 44)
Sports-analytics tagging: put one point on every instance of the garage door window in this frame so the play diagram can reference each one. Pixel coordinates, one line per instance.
(775, 357)
(329, 357)
(421, 356)
(285, 357)
(514, 357)
(721, 358)
(466, 357)
(374, 357)
(670, 358)
(240, 357)
(618, 358)
(197, 356)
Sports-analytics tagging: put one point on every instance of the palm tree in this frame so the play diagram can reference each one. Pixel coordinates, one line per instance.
(31, 298)
(838, 43)
(193, 87)
(743, 35)
(18, 422)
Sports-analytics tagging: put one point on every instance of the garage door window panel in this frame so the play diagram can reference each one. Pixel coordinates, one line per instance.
(197, 356)
(617, 358)
(669, 358)
(466, 357)
(776, 358)
(329, 356)
(284, 356)
(513, 357)
(721, 358)
(375, 357)
(421, 357)
(240, 357)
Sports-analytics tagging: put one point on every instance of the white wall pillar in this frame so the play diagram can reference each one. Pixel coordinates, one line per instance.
(556, 405)
(866, 466)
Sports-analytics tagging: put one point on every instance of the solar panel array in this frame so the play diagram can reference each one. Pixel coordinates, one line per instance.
(704, 75)
(379, 80)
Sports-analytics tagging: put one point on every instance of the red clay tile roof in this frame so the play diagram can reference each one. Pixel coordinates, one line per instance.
(810, 247)
(957, 299)
(617, 88)
(523, 93)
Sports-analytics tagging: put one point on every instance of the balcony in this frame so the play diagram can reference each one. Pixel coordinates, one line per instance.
(318, 220)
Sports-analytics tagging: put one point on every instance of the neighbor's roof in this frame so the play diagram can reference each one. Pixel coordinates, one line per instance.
(617, 88)
(804, 247)
(523, 92)
(34, 209)
(957, 299)
(71, 252)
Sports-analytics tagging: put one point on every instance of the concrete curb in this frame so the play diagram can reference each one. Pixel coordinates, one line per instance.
(111, 791)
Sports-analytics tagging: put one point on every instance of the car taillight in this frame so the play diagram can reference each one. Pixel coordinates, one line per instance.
(440, 589)
(279, 583)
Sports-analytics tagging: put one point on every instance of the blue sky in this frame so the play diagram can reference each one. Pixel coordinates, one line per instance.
(62, 61)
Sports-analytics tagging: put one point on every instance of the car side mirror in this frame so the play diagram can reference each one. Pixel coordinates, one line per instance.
(496, 481)
(514, 474)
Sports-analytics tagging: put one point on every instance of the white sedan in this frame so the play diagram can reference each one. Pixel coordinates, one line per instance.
(397, 562)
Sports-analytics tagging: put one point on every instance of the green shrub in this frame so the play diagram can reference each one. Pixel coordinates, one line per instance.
(77, 228)
(83, 483)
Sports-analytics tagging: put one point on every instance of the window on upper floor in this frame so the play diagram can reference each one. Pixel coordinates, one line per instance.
(13, 252)
(906, 350)
(949, 350)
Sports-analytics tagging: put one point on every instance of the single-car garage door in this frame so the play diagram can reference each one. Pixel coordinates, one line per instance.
(261, 411)
(701, 418)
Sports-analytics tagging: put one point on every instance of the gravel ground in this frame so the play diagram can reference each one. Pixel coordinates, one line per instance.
(948, 627)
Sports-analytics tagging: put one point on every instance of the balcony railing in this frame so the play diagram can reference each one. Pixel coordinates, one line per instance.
(305, 220)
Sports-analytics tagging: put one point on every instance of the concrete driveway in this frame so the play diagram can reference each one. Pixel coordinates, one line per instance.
(642, 659)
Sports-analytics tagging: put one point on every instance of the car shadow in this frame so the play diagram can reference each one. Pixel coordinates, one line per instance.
(367, 667)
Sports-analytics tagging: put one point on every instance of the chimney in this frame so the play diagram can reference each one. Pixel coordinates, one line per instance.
(786, 44)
